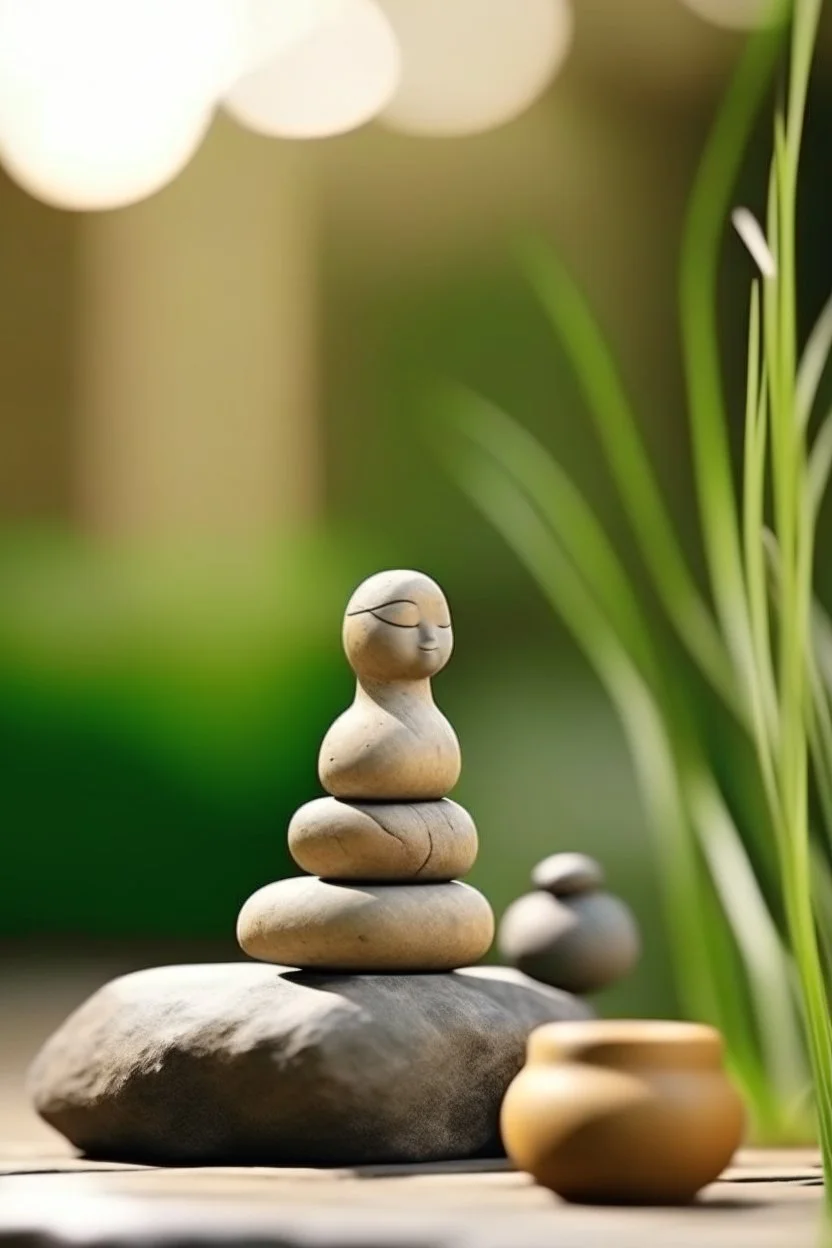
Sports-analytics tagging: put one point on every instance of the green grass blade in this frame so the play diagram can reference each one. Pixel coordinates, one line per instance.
(821, 623)
(813, 364)
(822, 877)
(795, 846)
(709, 985)
(804, 39)
(821, 636)
(629, 463)
(708, 211)
(558, 500)
(820, 715)
(583, 539)
(795, 533)
(820, 740)
(820, 465)
(505, 506)
(761, 679)
(770, 298)
(756, 936)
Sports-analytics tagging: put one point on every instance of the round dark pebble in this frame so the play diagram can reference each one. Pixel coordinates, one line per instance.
(579, 944)
(564, 875)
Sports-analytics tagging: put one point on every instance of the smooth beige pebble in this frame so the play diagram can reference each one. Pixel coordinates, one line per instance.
(311, 924)
(415, 841)
(392, 745)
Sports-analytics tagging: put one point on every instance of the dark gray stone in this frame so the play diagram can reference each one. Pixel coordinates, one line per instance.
(580, 944)
(248, 1063)
(566, 874)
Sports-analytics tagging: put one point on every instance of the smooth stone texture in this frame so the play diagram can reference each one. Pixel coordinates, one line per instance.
(310, 923)
(566, 874)
(248, 1064)
(393, 744)
(417, 841)
(580, 944)
(397, 628)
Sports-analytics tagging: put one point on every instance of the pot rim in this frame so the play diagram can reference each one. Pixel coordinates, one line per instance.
(664, 1042)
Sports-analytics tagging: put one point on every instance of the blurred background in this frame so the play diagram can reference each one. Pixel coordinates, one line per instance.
(216, 421)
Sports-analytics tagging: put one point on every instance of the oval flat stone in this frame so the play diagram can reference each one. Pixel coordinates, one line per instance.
(309, 923)
(383, 841)
(567, 874)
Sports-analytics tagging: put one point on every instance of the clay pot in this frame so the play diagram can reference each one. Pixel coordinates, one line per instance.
(608, 1112)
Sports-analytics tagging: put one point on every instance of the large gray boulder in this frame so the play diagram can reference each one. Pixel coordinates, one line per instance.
(245, 1063)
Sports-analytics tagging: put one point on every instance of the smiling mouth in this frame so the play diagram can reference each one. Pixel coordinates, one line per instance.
(429, 649)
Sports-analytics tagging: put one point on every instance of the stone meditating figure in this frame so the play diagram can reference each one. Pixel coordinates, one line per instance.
(334, 1047)
(386, 846)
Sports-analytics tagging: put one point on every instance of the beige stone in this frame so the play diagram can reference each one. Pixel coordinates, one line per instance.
(397, 627)
(380, 841)
(308, 923)
(393, 744)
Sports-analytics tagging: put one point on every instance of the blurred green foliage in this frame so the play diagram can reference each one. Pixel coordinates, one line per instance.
(160, 716)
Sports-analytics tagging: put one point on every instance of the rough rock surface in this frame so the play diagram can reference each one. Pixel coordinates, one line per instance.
(249, 1063)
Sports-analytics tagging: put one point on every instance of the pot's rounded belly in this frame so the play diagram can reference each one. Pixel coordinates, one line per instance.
(622, 1135)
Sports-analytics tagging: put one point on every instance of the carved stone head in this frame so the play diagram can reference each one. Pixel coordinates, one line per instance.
(397, 627)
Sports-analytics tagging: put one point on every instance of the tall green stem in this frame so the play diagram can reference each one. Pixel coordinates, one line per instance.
(794, 523)
(782, 740)
(709, 209)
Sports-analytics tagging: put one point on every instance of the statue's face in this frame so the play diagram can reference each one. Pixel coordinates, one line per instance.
(398, 627)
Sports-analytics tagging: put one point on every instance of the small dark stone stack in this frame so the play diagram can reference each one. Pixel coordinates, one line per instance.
(570, 933)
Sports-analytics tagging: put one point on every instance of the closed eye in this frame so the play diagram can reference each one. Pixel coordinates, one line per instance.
(393, 623)
(400, 614)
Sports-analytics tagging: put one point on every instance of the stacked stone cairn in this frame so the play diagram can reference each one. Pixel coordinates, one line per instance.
(570, 932)
(334, 1046)
(385, 849)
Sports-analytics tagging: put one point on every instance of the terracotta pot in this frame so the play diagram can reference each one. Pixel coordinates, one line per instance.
(608, 1112)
